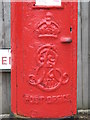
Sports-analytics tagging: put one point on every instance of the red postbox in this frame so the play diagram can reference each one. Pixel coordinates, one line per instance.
(44, 60)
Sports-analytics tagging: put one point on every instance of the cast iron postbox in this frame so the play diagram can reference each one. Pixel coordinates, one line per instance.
(44, 60)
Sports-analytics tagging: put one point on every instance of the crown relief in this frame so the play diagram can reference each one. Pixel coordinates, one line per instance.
(48, 28)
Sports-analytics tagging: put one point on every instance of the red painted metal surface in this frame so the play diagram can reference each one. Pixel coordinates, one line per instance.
(44, 60)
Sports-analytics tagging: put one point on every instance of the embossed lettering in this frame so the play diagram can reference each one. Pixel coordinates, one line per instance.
(48, 99)
(48, 77)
